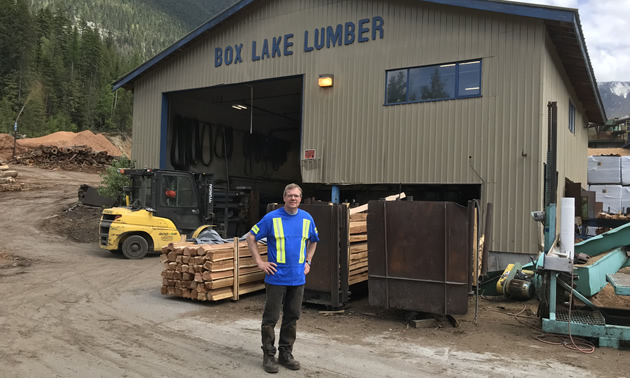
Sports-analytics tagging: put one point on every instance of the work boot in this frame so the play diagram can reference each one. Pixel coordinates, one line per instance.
(286, 359)
(270, 364)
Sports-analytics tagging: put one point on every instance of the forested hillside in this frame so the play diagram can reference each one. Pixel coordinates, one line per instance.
(59, 58)
(142, 26)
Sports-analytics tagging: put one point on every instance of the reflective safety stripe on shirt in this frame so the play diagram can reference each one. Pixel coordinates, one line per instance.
(306, 225)
(278, 232)
(255, 229)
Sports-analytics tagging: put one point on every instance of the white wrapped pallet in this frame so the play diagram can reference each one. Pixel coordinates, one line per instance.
(625, 198)
(609, 195)
(625, 170)
(604, 170)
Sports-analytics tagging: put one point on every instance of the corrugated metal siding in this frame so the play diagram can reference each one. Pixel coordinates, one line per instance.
(572, 148)
(494, 140)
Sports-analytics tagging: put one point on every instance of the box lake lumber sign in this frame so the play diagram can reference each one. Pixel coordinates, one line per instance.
(283, 45)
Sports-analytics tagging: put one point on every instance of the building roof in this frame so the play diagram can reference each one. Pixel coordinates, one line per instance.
(563, 25)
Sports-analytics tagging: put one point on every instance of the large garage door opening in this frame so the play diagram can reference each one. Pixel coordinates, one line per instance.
(247, 135)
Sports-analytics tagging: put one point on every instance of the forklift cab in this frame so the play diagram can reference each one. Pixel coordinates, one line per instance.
(173, 195)
(178, 201)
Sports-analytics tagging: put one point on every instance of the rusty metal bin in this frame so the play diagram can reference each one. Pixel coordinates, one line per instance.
(419, 256)
(327, 282)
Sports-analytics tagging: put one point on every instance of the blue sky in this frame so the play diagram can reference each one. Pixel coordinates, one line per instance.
(606, 27)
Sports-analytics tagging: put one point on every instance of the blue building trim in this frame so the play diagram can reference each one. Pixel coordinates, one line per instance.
(163, 131)
(181, 43)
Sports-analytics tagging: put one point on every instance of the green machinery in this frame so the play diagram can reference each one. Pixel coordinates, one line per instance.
(608, 255)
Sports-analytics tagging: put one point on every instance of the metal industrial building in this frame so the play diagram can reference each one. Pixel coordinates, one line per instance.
(442, 99)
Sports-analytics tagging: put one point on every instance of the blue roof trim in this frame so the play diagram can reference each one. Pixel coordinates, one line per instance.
(181, 43)
(517, 9)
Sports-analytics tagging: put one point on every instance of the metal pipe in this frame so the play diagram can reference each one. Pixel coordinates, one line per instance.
(334, 196)
(386, 254)
(487, 240)
(471, 243)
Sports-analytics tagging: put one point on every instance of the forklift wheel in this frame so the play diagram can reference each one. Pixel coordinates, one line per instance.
(135, 247)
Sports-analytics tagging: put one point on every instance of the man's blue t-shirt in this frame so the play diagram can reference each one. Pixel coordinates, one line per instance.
(287, 236)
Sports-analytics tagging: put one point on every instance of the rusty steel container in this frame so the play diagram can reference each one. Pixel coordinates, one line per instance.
(419, 256)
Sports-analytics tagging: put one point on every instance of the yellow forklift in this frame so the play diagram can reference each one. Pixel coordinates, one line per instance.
(161, 206)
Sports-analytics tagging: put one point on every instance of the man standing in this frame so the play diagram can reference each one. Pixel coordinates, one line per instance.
(291, 241)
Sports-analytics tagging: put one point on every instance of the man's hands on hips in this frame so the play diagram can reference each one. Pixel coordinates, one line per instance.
(268, 267)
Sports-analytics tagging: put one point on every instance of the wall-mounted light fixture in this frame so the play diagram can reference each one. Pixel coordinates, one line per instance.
(325, 80)
(239, 107)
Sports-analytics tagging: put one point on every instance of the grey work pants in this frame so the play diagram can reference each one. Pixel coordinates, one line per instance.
(289, 300)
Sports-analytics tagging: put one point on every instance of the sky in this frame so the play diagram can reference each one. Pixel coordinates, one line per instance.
(606, 28)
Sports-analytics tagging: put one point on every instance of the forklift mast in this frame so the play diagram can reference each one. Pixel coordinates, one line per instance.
(205, 187)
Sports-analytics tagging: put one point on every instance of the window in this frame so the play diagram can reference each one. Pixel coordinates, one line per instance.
(177, 191)
(571, 117)
(432, 83)
(142, 191)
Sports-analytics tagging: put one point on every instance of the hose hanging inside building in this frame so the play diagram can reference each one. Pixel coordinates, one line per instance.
(205, 128)
(177, 158)
(181, 154)
(194, 147)
(225, 141)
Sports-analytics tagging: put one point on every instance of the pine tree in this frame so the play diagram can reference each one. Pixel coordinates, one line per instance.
(397, 88)
(436, 88)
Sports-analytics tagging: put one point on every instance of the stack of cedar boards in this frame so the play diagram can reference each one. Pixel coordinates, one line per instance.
(211, 272)
(358, 249)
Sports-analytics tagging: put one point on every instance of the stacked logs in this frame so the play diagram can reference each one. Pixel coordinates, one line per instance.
(211, 272)
(8, 181)
(75, 157)
(358, 249)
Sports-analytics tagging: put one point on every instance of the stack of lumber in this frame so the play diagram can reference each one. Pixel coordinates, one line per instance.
(358, 249)
(65, 157)
(211, 272)
(603, 215)
(8, 181)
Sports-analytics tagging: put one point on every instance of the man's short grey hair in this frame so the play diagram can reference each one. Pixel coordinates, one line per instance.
(289, 187)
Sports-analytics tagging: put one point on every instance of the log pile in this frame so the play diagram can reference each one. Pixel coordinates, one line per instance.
(358, 249)
(71, 158)
(8, 181)
(208, 272)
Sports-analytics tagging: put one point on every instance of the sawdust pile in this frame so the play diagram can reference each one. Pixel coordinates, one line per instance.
(6, 147)
(608, 151)
(85, 138)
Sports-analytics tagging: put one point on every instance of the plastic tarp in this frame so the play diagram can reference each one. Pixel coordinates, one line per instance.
(609, 195)
(604, 170)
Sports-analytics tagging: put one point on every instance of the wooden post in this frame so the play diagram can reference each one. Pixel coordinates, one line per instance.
(235, 295)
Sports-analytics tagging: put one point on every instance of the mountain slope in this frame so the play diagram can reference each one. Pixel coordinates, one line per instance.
(616, 98)
(145, 27)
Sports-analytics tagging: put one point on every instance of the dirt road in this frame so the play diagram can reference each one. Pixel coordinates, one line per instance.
(73, 310)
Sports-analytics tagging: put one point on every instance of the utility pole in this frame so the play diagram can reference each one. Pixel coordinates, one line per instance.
(15, 129)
